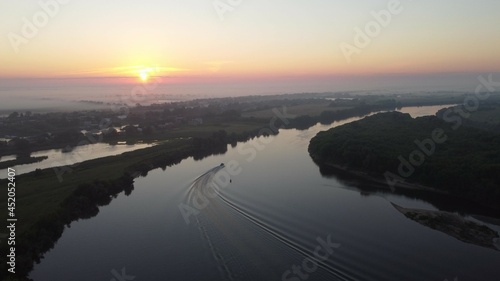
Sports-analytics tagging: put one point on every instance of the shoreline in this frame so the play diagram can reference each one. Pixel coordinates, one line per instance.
(401, 188)
(454, 225)
(379, 180)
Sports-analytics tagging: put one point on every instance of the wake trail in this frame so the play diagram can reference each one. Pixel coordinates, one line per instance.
(275, 233)
(218, 221)
(215, 235)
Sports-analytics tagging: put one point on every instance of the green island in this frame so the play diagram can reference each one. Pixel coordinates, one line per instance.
(21, 160)
(443, 153)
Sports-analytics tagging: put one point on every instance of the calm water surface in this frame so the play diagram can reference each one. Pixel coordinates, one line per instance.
(79, 154)
(262, 225)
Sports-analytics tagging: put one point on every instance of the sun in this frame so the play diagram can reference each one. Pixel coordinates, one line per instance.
(144, 75)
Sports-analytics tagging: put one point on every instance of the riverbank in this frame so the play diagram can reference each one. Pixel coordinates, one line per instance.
(380, 181)
(21, 161)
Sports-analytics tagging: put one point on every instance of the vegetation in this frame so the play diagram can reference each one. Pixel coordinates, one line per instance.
(464, 162)
(487, 115)
(313, 107)
(21, 161)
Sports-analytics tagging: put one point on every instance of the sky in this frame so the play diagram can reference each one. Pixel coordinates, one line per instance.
(265, 42)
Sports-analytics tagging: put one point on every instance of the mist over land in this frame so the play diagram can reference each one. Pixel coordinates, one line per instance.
(62, 94)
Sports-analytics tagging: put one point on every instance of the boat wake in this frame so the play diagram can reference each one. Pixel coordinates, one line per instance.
(244, 245)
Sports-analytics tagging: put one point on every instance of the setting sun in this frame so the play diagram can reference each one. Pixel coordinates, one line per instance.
(144, 75)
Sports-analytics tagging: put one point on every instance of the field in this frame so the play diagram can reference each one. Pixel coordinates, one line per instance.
(207, 129)
(312, 109)
(487, 114)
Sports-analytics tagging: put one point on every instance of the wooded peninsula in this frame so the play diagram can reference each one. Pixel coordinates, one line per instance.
(442, 152)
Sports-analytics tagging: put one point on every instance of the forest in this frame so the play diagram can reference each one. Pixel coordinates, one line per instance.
(428, 151)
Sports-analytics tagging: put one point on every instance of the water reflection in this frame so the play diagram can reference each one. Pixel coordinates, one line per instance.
(376, 187)
(58, 157)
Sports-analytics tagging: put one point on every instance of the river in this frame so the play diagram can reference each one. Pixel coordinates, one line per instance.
(57, 158)
(274, 216)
